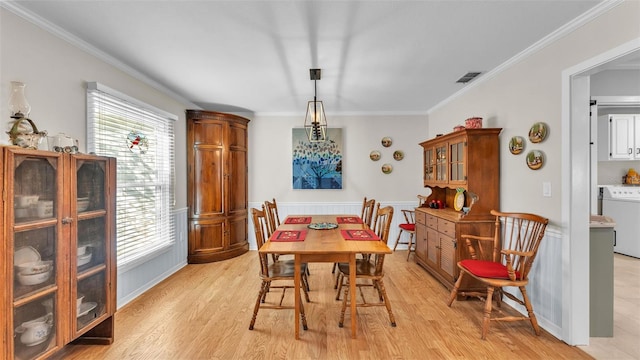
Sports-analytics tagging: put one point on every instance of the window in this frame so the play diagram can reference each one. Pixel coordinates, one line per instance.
(141, 138)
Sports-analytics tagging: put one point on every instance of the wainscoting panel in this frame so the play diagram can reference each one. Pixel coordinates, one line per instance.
(133, 281)
(545, 284)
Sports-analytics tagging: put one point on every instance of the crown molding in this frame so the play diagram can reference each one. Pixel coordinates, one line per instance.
(561, 32)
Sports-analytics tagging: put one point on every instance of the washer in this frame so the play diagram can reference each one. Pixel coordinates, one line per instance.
(622, 203)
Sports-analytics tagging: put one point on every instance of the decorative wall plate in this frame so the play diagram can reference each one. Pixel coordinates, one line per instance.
(386, 141)
(458, 201)
(538, 132)
(387, 168)
(375, 155)
(398, 155)
(535, 159)
(516, 145)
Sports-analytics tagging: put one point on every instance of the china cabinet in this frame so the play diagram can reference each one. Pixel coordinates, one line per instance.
(58, 251)
(217, 185)
(462, 169)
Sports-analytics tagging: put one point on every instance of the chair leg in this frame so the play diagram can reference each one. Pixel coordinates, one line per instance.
(532, 316)
(397, 240)
(339, 283)
(305, 287)
(344, 307)
(381, 289)
(333, 270)
(410, 243)
(454, 291)
(267, 287)
(487, 312)
(303, 316)
(261, 294)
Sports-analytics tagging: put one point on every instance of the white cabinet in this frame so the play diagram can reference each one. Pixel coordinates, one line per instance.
(623, 141)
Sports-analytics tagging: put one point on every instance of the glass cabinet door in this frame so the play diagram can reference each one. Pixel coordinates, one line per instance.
(457, 162)
(89, 240)
(35, 239)
(429, 164)
(441, 163)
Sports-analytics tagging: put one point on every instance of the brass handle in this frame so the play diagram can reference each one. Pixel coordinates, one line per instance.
(67, 220)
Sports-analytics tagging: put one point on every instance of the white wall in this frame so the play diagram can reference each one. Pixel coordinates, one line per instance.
(270, 169)
(622, 82)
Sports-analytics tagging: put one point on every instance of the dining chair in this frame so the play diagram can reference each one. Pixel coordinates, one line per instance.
(505, 262)
(408, 226)
(366, 214)
(273, 221)
(274, 271)
(369, 269)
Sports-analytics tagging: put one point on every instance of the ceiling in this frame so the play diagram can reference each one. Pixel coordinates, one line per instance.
(377, 57)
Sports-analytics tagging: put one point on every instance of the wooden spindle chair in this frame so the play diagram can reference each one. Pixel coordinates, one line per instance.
(369, 269)
(515, 245)
(274, 271)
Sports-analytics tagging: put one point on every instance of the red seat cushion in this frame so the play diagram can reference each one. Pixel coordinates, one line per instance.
(488, 269)
(408, 227)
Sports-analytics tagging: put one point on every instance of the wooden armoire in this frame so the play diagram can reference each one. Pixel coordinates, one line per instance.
(216, 185)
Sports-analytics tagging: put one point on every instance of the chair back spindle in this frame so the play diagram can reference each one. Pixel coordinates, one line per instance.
(367, 210)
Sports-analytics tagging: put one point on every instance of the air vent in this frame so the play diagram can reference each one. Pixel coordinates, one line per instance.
(468, 77)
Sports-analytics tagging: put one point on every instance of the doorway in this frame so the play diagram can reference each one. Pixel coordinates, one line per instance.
(575, 184)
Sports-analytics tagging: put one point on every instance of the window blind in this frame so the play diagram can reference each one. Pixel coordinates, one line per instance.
(141, 138)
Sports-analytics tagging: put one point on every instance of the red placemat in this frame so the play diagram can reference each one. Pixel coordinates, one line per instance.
(348, 220)
(298, 220)
(288, 235)
(359, 235)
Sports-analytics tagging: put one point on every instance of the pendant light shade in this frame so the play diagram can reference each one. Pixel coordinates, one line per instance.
(315, 122)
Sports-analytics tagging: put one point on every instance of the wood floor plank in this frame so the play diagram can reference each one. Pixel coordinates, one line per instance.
(203, 312)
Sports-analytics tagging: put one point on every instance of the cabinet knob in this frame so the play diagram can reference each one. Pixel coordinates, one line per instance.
(67, 220)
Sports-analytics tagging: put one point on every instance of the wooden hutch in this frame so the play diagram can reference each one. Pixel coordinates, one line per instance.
(217, 185)
(467, 162)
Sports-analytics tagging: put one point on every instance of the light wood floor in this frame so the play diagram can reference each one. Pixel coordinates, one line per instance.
(203, 312)
(625, 343)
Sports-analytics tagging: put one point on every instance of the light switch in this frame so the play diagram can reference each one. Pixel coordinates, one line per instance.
(546, 189)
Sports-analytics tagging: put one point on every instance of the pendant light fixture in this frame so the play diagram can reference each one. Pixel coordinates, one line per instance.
(315, 122)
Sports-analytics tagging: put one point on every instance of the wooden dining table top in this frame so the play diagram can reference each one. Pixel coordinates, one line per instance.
(324, 241)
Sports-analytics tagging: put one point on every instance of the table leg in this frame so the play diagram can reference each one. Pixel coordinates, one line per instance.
(296, 289)
(352, 292)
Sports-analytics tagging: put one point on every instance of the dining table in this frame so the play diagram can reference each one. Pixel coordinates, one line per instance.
(324, 238)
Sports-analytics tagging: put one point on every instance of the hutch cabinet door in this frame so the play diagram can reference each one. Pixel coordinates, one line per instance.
(34, 249)
(429, 165)
(92, 240)
(457, 169)
(441, 163)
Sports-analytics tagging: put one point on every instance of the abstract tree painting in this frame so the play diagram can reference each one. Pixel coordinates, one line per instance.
(317, 165)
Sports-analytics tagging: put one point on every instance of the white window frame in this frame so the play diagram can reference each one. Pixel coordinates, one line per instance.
(106, 103)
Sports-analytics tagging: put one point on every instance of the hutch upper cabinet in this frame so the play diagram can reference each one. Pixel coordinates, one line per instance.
(466, 162)
(58, 270)
(217, 185)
